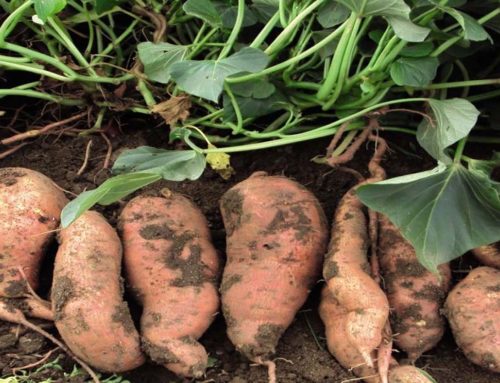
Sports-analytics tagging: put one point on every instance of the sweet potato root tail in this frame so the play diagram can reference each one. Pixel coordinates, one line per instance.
(184, 357)
(39, 309)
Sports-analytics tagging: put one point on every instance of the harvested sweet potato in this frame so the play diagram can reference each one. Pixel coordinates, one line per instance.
(354, 308)
(30, 206)
(408, 374)
(87, 296)
(173, 268)
(340, 340)
(473, 308)
(276, 237)
(488, 255)
(415, 295)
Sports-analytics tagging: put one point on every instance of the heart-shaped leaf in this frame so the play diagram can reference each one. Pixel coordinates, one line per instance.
(205, 78)
(443, 213)
(203, 9)
(417, 72)
(397, 13)
(158, 58)
(140, 167)
(452, 120)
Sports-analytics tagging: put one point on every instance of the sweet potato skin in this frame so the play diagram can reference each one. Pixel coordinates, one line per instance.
(488, 255)
(30, 206)
(361, 307)
(276, 237)
(472, 309)
(407, 374)
(87, 296)
(336, 319)
(415, 295)
(173, 269)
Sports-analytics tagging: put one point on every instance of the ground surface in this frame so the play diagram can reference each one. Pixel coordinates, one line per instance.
(302, 350)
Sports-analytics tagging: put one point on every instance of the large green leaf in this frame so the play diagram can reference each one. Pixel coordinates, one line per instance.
(443, 212)
(203, 9)
(48, 8)
(140, 167)
(110, 191)
(158, 58)
(484, 168)
(417, 72)
(206, 78)
(473, 31)
(173, 165)
(452, 120)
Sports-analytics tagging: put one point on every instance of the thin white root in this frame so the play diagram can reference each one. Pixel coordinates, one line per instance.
(271, 369)
(37, 363)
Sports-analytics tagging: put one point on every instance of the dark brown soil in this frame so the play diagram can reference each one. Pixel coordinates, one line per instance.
(302, 354)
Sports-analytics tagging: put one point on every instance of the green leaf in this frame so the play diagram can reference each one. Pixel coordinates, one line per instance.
(260, 88)
(203, 9)
(406, 30)
(173, 165)
(473, 31)
(140, 167)
(329, 49)
(443, 213)
(416, 72)
(228, 14)
(377, 7)
(158, 58)
(397, 13)
(417, 50)
(452, 120)
(254, 107)
(110, 191)
(265, 9)
(48, 8)
(102, 6)
(206, 78)
(332, 13)
(485, 168)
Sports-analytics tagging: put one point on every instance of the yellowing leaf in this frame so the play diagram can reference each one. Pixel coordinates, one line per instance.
(220, 162)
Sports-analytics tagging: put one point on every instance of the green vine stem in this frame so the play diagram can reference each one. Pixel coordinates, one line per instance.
(236, 30)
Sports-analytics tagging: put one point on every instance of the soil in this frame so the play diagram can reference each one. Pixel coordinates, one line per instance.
(302, 355)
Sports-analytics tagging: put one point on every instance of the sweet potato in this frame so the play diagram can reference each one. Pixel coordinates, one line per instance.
(276, 237)
(488, 255)
(354, 308)
(30, 205)
(173, 268)
(408, 374)
(473, 308)
(415, 295)
(339, 339)
(87, 296)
